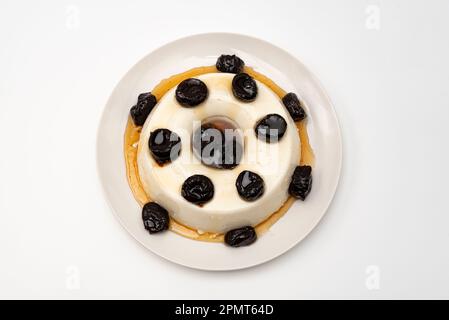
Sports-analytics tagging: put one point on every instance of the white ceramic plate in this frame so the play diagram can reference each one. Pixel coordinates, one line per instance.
(200, 50)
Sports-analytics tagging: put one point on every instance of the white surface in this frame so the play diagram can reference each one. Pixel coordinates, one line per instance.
(182, 55)
(389, 86)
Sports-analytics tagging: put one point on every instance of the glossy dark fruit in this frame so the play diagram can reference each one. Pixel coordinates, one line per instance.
(155, 218)
(293, 106)
(244, 87)
(301, 182)
(165, 145)
(250, 185)
(197, 189)
(230, 63)
(241, 237)
(271, 128)
(191, 92)
(144, 95)
(215, 148)
(139, 112)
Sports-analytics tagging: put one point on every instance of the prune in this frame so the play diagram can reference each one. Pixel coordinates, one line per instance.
(165, 145)
(250, 185)
(231, 153)
(301, 182)
(197, 189)
(244, 87)
(155, 218)
(230, 64)
(293, 105)
(215, 148)
(241, 237)
(139, 112)
(191, 92)
(271, 128)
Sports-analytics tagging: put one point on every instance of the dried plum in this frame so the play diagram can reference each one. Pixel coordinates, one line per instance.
(250, 185)
(244, 87)
(241, 237)
(191, 92)
(230, 64)
(145, 103)
(301, 182)
(215, 148)
(155, 218)
(197, 189)
(271, 128)
(165, 145)
(293, 106)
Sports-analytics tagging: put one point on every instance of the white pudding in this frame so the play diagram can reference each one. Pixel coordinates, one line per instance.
(274, 162)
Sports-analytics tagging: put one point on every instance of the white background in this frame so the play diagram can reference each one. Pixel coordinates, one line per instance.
(385, 65)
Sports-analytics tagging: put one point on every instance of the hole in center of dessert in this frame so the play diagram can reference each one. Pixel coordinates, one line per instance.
(218, 142)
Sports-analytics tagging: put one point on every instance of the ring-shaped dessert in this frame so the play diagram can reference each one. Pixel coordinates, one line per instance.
(274, 162)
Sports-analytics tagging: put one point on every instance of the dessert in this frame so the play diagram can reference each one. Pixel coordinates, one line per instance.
(195, 178)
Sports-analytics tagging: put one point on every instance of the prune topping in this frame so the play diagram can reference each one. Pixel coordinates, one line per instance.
(145, 103)
(244, 87)
(165, 145)
(197, 189)
(215, 148)
(191, 92)
(155, 218)
(250, 185)
(293, 105)
(301, 182)
(241, 237)
(271, 128)
(230, 64)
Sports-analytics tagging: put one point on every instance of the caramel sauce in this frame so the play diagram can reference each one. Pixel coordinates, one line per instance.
(132, 136)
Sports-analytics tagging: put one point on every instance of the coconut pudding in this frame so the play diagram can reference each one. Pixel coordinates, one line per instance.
(219, 153)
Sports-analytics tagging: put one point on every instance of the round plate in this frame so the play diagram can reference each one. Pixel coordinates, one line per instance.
(202, 50)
